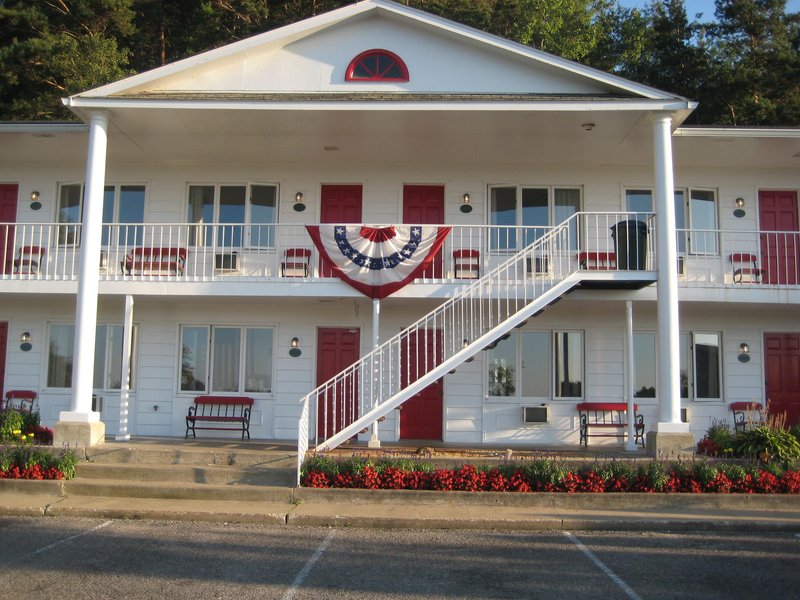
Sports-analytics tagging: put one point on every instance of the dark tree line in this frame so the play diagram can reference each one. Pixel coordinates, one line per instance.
(742, 64)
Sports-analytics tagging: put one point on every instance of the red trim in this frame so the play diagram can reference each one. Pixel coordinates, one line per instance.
(378, 76)
(377, 292)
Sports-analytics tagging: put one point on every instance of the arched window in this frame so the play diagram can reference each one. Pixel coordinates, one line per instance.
(377, 65)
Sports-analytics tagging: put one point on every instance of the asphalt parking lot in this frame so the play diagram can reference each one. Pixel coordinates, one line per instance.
(97, 558)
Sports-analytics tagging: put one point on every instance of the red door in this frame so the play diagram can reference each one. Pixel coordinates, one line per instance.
(8, 214)
(780, 252)
(3, 344)
(340, 204)
(424, 205)
(782, 354)
(337, 349)
(421, 416)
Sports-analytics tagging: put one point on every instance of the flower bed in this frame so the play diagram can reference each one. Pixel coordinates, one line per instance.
(554, 476)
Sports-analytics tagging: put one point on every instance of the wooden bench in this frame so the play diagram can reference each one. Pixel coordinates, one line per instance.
(597, 261)
(155, 261)
(219, 411)
(611, 419)
(746, 415)
(21, 400)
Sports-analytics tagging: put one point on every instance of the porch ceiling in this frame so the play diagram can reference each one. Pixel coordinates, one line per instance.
(496, 136)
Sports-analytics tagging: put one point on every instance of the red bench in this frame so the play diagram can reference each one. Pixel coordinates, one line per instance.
(597, 261)
(155, 261)
(745, 267)
(611, 419)
(22, 400)
(231, 410)
(746, 415)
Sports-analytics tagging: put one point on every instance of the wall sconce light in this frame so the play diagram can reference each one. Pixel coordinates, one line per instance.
(739, 210)
(471, 358)
(25, 341)
(35, 204)
(466, 207)
(295, 350)
(744, 352)
(299, 203)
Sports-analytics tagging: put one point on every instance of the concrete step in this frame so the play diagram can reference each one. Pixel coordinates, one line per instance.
(165, 455)
(188, 473)
(176, 491)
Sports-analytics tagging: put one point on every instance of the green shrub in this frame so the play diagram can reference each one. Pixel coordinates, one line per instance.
(12, 422)
(722, 436)
(768, 444)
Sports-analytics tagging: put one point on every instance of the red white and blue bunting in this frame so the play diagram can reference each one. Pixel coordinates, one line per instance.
(377, 261)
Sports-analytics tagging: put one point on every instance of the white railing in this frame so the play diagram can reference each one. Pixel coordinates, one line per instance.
(475, 317)
(190, 252)
(716, 258)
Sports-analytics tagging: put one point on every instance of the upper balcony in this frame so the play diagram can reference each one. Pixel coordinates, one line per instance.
(223, 254)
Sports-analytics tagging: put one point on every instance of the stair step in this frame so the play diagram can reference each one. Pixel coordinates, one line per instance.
(112, 454)
(180, 473)
(177, 491)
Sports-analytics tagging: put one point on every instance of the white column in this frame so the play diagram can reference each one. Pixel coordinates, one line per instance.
(374, 440)
(629, 380)
(669, 397)
(88, 275)
(125, 376)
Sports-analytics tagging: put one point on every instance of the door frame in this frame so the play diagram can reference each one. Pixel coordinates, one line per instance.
(3, 356)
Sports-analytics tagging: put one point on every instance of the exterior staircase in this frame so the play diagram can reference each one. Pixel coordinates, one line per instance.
(473, 319)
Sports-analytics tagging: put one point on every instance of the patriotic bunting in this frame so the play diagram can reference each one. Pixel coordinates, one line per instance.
(377, 261)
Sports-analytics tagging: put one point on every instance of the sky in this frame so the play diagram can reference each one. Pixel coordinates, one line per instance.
(702, 6)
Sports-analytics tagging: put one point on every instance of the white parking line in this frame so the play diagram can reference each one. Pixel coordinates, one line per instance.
(65, 540)
(301, 576)
(602, 566)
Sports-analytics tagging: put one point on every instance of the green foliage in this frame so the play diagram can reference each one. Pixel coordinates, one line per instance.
(768, 444)
(12, 422)
(656, 472)
(722, 436)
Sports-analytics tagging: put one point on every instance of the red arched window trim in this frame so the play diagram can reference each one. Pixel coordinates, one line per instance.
(377, 65)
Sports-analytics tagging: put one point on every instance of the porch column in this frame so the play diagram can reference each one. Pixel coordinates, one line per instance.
(125, 376)
(80, 425)
(669, 436)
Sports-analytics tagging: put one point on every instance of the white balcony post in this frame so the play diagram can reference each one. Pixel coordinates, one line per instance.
(669, 398)
(86, 427)
(125, 376)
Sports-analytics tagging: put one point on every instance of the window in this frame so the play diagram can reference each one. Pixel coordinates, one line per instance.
(245, 215)
(644, 364)
(226, 359)
(377, 65)
(568, 357)
(641, 201)
(707, 366)
(526, 364)
(703, 222)
(705, 372)
(522, 214)
(122, 204)
(107, 357)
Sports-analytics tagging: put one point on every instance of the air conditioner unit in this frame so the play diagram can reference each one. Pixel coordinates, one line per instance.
(684, 415)
(97, 403)
(536, 414)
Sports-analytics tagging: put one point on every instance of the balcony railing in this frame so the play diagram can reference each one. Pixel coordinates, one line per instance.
(283, 252)
(718, 258)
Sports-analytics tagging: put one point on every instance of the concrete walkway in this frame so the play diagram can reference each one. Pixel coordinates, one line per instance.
(431, 510)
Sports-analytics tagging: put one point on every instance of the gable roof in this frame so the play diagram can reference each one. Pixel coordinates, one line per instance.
(177, 82)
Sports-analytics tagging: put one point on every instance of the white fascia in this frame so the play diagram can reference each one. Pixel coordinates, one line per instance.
(668, 105)
(738, 132)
